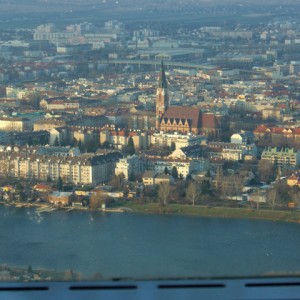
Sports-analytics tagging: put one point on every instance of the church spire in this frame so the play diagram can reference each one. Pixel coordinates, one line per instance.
(162, 98)
(162, 82)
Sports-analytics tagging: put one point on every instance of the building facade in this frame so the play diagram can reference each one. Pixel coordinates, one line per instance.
(79, 169)
(15, 124)
(180, 140)
(130, 165)
(183, 119)
(288, 158)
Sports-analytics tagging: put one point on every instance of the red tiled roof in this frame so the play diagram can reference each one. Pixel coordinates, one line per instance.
(261, 129)
(209, 120)
(185, 112)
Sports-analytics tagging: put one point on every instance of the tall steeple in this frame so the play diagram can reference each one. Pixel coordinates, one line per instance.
(162, 97)
(162, 82)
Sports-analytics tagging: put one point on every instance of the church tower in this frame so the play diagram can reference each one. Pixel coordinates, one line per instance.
(162, 97)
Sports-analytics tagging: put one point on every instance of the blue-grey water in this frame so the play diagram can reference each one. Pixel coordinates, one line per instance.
(147, 246)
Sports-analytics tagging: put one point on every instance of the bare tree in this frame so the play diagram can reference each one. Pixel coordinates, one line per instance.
(272, 197)
(117, 181)
(97, 199)
(266, 170)
(231, 186)
(192, 192)
(163, 193)
(295, 195)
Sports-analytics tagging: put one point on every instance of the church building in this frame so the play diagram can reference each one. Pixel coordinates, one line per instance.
(183, 119)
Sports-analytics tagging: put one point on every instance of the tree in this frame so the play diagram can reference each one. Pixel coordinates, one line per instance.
(272, 197)
(130, 149)
(295, 195)
(29, 141)
(266, 170)
(174, 172)
(188, 177)
(34, 100)
(192, 192)
(19, 192)
(282, 190)
(59, 183)
(163, 193)
(97, 199)
(117, 181)
(80, 145)
(166, 171)
(205, 187)
(131, 176)
(74, 142)
(106, 145)
(231, 185)
(43, 139)
(56, 142)
(173, 146)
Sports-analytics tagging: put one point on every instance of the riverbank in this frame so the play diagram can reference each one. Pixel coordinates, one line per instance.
(175, 209)
(216, 212)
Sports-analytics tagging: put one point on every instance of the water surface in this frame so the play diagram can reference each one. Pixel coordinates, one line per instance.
(147, 246)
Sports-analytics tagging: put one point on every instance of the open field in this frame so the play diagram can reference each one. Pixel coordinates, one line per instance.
(216, 212)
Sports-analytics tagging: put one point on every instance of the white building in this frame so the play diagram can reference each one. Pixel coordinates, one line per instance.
(80, 169)
(180, 140)
(238, 152)
(238, 138)
(15, 124)
(130, 165)
(184, 166)
(118, 139)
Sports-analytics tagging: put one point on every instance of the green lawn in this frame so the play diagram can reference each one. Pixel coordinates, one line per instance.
(218, 212)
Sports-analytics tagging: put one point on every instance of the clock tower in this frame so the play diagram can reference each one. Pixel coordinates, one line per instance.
(162, 97)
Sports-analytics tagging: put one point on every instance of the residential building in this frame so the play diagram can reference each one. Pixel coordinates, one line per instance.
(150, 178)
(62, 198)
(276, 133)
(229, 151)
(184, 166)
(180, 140)
(130, 165)
(81, 169)
(15, 124)
(50, 104)
(242, 138)
(293, 180)
(119, 138)
(283, 157)
(48, 124)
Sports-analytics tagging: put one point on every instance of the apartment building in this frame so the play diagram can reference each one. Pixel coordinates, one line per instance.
(59, 104)
(48, 124)
(118, 139)
(284, 157)
(130, 165)
(180, 140)
(184, 166)
(80, 169)
(15, 124)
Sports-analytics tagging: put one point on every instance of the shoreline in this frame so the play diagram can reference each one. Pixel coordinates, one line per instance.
(291, 216)
(216, 212)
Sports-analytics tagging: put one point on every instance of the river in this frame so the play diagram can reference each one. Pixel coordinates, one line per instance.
(130, 245)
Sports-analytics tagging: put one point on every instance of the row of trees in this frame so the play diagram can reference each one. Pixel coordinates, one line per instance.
(281, 194)
(190, 192)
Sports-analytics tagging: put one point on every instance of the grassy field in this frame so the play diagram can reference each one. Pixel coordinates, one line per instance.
(217, 212)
